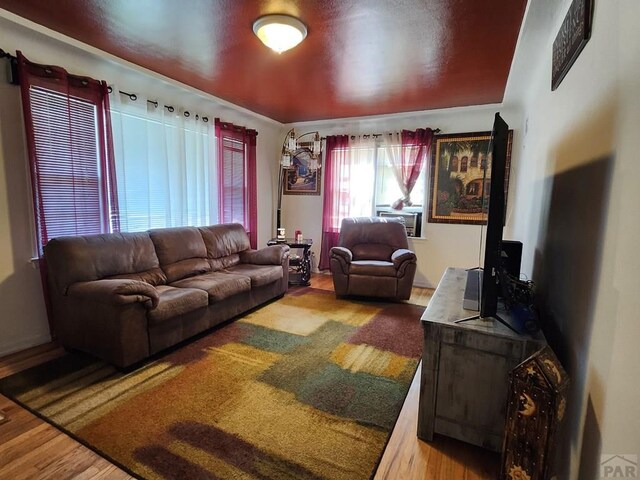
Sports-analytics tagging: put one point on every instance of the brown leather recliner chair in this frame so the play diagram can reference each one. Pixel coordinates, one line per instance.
(372, 259)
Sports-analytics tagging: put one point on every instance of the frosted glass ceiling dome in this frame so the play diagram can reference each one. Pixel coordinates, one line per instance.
(279, 32)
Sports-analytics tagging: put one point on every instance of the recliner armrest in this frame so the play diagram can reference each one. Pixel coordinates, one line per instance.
(402, 255)
(272, 255)
(116, 292)
(342, 253)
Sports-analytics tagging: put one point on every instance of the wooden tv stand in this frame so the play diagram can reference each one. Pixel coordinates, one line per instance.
(465, 367)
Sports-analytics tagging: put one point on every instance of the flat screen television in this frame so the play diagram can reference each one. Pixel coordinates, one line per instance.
(495, 218)
(482, 284)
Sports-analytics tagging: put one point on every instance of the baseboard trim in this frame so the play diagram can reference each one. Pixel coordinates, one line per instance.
(23, 344)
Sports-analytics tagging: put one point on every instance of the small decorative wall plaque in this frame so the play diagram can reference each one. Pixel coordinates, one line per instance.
(571, 39)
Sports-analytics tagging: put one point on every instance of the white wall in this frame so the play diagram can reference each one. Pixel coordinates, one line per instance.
(442, 245)
(577, 209)
(22, 317)
(23, 320)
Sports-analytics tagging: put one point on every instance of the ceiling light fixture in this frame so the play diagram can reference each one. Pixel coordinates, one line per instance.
(279, 32)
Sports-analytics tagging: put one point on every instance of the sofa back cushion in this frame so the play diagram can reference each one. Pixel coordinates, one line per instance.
(181, 251)
(224, 262)
(94, 257)
(373, 238)
(224, 242)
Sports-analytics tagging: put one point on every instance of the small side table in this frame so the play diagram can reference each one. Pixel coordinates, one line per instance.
(299, 264)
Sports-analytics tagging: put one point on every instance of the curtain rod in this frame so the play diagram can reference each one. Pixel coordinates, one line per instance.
(13, 67)
(13, 59)
(133, 97)
(4, 54)
(376, 135)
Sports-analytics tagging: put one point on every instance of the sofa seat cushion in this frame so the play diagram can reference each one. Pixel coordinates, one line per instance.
(376, 268)
(176, 301)
(259, 274)
(219, 285)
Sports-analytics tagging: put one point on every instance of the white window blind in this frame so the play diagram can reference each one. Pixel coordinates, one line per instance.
(234, 191)
(68, 187)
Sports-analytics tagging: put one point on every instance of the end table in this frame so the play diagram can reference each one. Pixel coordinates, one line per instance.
(299, 264)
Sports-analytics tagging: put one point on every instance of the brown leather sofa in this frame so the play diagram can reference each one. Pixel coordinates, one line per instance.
(372, 259)
(125, 296)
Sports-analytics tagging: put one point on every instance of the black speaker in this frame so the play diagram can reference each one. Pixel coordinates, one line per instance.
(512, 257)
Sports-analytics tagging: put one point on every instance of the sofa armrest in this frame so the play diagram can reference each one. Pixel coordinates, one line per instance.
(272, 255)
(342, 253)
(116, 292)
(402, 255)
(340, 261)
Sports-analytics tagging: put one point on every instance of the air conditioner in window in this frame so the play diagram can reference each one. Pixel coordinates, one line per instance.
(412, 220)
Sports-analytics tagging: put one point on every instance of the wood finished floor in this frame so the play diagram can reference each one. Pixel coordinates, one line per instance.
(32, 449)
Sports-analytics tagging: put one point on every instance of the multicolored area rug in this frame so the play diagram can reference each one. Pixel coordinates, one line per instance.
(307, 387)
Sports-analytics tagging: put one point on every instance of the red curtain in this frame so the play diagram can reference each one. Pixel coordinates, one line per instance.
(413, 155)
(68, 130)
(237, 177)
(336, 155)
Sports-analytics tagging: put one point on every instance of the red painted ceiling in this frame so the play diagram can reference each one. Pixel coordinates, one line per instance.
(361, 57)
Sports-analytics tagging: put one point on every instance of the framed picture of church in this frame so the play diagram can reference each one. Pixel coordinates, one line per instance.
(461, 177)
(303, 177)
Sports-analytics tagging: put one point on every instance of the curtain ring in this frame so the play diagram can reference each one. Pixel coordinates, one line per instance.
(170, 108)
(109, 89)
(206, 119)
(132, 96)
(187, 114)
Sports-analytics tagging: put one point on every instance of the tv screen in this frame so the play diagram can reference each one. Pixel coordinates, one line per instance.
(495, 221)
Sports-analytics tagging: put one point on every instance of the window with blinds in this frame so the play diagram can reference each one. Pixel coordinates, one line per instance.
(233, 191)
(237, 193)
(69, 192)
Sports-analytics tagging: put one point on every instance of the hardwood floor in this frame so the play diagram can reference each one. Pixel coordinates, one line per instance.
(32, 449)
(407, 457)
